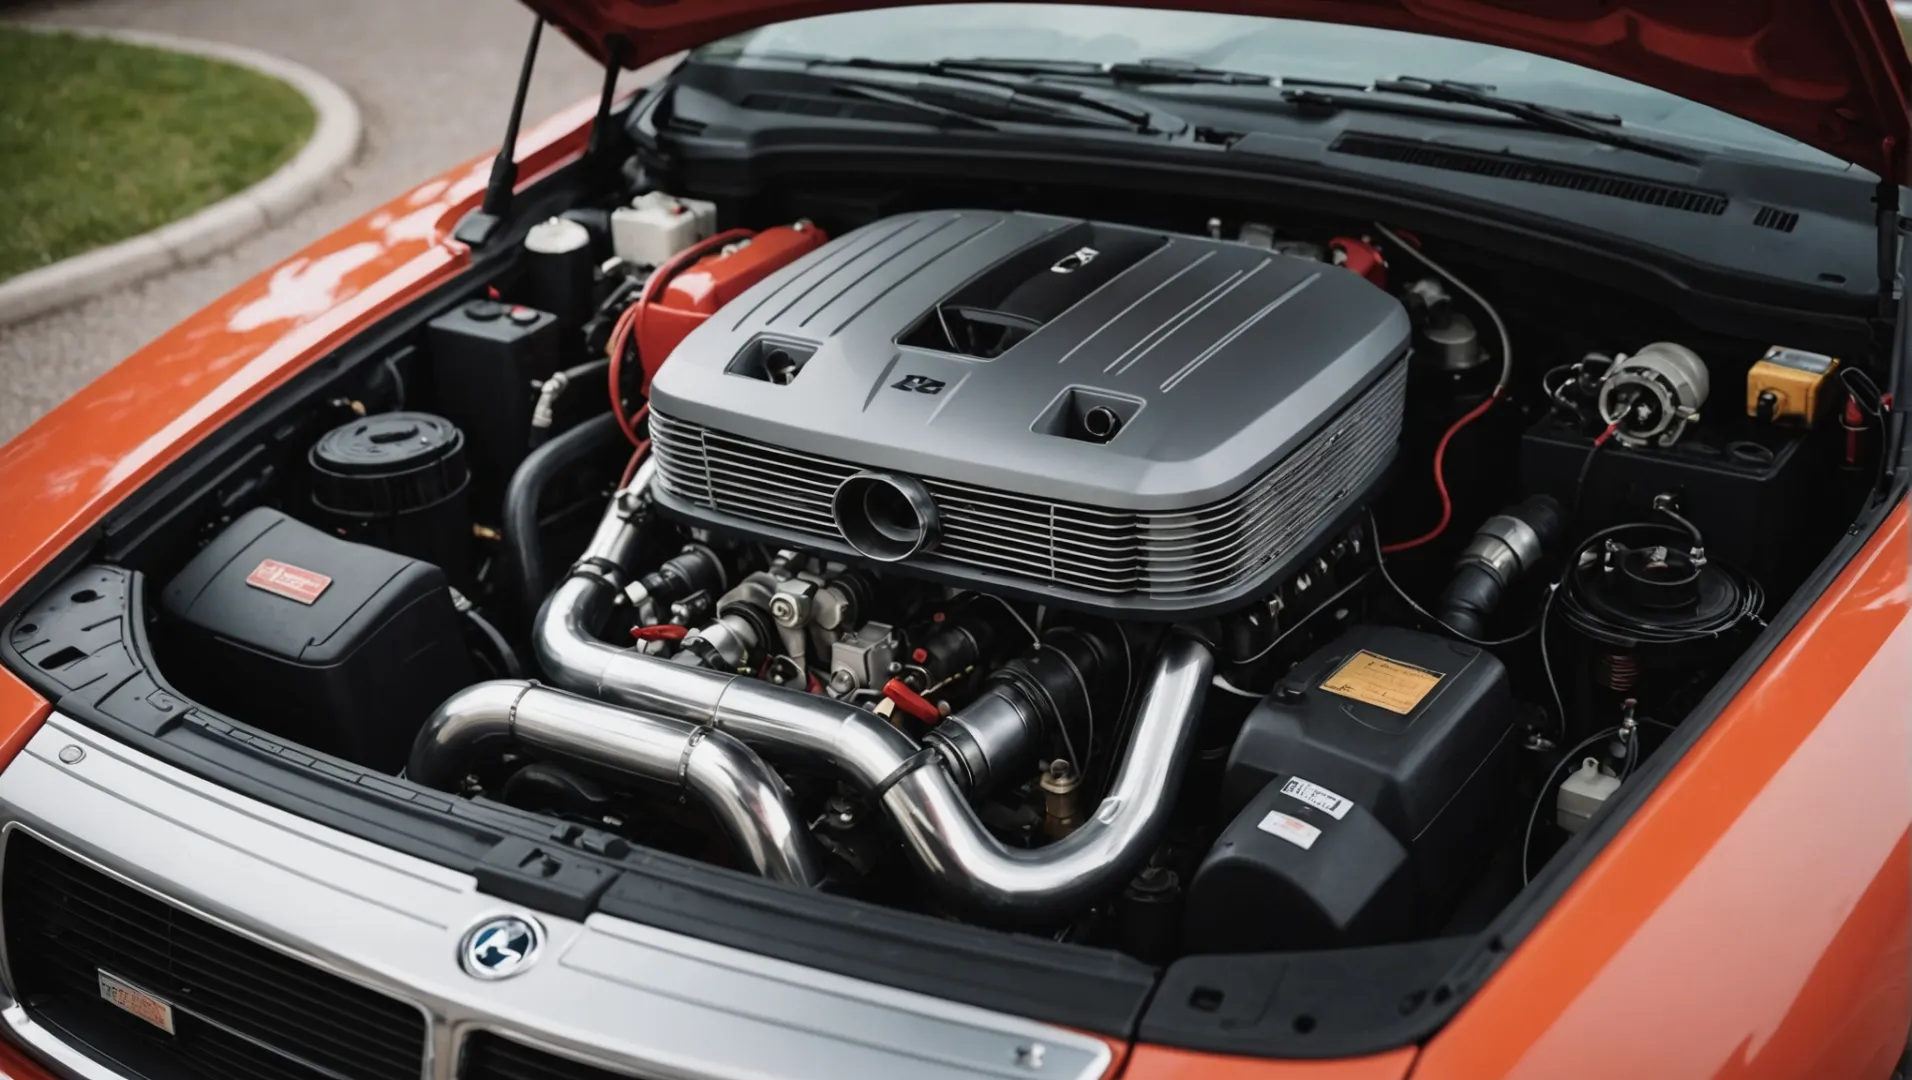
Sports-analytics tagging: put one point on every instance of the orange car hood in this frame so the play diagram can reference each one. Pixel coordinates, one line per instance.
(1830, 73)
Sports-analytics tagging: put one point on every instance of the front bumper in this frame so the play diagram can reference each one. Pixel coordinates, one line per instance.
(620, 995)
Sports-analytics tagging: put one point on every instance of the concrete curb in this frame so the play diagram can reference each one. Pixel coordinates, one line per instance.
(335, 139)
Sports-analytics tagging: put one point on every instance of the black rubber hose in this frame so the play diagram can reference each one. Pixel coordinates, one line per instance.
(526, 491)
(1508, 545)
(1470, 599)
(507, 656)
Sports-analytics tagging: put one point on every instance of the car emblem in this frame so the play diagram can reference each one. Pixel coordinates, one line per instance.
(500, 947)
(921, 384)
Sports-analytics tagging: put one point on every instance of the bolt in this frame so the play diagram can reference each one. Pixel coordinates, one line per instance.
(783, 609)
(72, 755)
(1030, 1055)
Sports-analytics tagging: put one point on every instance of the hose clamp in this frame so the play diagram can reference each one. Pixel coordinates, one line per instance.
(511, 714)
(683, 759)
(602, 571)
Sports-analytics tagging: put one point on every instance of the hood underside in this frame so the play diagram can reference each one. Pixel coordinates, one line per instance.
(1833, 74)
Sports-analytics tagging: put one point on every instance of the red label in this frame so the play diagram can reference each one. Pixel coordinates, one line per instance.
(288, 581)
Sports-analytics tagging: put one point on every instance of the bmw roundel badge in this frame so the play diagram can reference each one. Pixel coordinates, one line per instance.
(500, 946)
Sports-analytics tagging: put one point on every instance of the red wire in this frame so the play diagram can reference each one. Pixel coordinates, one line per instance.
(637, 453)
(630, 324)
(620, 334)
(1440, 477)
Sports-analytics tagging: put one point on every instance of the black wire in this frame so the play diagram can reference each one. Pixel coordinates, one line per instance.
(1546, 787)
(1580, 481)
(1611, 629)
(507, 656)
(1699, 541)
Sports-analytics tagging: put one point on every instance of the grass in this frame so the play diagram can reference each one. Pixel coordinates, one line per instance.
(101, 140)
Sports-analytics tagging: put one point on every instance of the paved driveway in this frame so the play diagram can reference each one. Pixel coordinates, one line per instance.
(433, 80)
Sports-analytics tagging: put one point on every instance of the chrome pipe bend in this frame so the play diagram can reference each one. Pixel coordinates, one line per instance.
(968, 868)
(974, 872)
(746, 797)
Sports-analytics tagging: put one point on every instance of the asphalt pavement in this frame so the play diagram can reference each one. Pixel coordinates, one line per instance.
(433, 80)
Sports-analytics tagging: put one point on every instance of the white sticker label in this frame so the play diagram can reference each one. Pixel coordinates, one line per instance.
(1318, 797)
(1294, 830)
(136, 1001)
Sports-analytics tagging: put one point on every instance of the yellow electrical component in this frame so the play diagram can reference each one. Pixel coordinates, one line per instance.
(1785, 385)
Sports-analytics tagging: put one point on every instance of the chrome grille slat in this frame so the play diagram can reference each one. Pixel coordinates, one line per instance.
(1106, 552)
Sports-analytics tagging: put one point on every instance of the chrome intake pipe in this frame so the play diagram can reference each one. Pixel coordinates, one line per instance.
(969, 870)
(745, 795)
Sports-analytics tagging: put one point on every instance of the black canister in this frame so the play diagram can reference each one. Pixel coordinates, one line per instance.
(397, 481)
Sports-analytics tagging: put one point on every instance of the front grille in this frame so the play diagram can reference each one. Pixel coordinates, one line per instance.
(1110, 553)
(241, 1011)
(488, 1057)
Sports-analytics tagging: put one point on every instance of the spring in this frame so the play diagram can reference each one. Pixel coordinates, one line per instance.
(1618, 671)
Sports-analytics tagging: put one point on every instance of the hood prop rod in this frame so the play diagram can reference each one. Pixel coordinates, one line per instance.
(478, 225)
(598, 151)
(1887, 206)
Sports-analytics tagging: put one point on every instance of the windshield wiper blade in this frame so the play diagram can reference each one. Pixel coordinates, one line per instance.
(1596, 127)
(1000, 104)
(1049, 101)
(887, 96)
(1154, 69)
(1157, 69)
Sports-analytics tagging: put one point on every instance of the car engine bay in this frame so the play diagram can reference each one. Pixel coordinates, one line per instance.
(1168, 582)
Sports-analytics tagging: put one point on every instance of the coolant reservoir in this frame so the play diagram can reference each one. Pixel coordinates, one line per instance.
(1583, 794)
(656, 226)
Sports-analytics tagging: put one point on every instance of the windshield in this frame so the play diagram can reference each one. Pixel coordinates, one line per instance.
(1280, 48)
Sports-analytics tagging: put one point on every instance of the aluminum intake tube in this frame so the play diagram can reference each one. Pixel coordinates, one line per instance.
(744, 795)
(968, 869)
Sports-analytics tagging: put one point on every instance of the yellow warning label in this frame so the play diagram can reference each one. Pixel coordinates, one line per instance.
(1376, 680)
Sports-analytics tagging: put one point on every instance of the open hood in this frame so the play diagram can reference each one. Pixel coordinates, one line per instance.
(1831, 73)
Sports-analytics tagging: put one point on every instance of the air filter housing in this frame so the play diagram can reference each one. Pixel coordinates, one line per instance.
(1105, 417)
(397, 481)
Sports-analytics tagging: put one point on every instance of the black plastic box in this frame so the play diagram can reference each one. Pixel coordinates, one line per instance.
(1287, 875)
(337, 646)
(1420, 736)
(486, 356)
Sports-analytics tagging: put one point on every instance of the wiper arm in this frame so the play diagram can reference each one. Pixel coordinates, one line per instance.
(1596, 127)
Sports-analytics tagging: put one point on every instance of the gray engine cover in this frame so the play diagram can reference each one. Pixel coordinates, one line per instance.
(1222, 360)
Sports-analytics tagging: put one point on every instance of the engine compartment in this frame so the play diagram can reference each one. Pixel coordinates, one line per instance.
(1170, 584)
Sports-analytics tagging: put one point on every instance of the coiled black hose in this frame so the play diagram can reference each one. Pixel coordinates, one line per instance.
(526, 491)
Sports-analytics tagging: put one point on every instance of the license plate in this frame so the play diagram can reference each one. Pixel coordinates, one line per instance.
(136, 1001)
